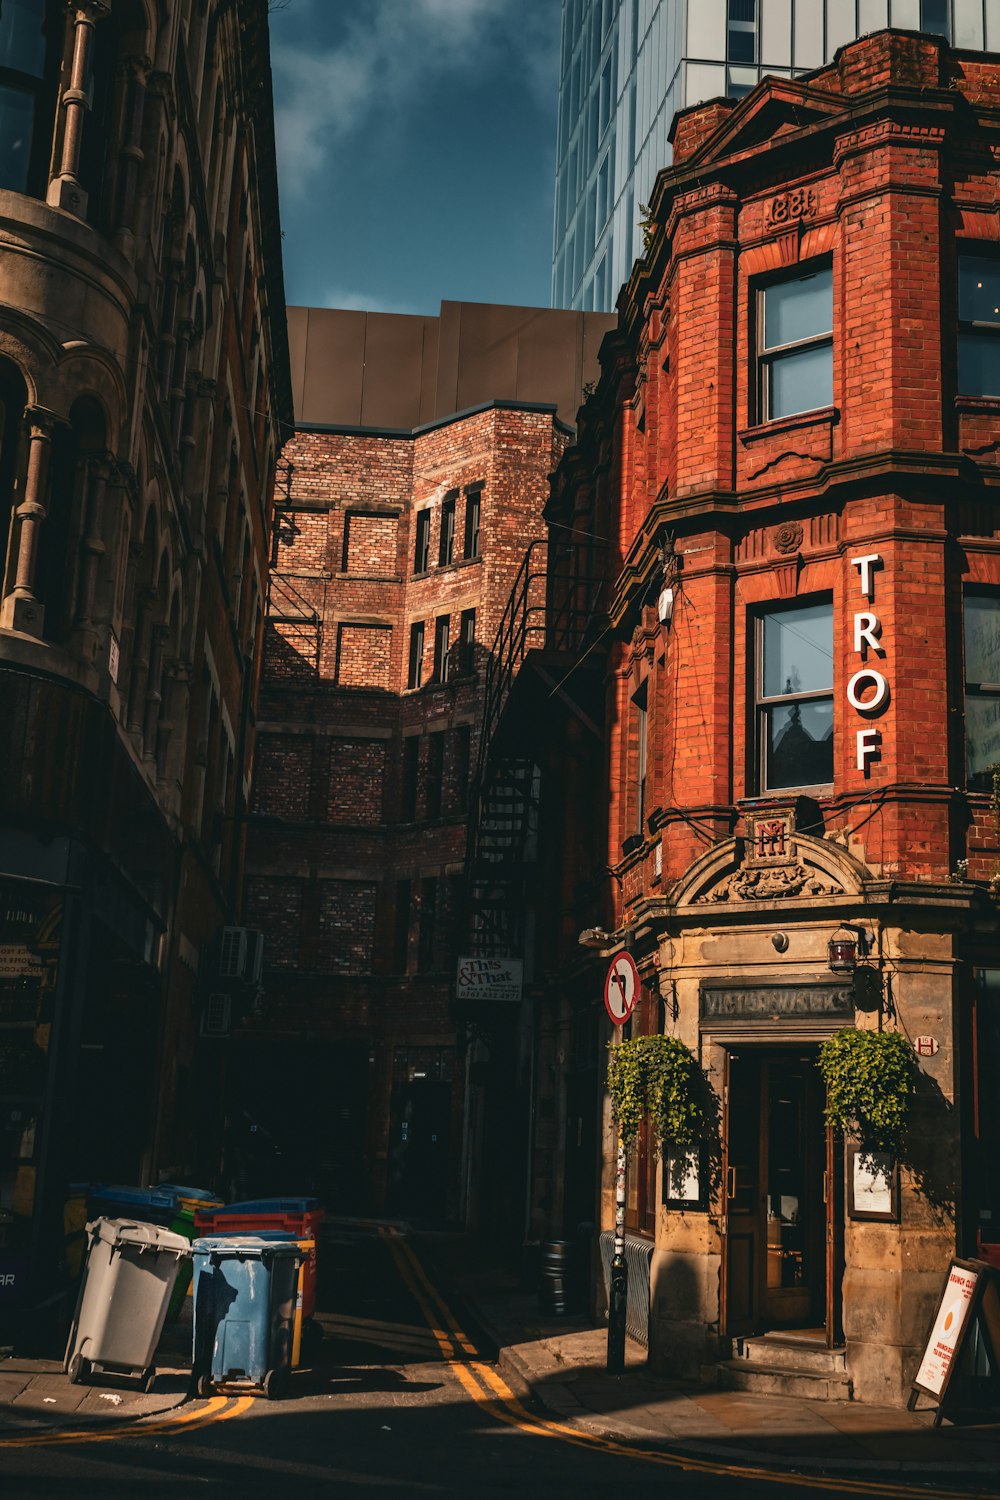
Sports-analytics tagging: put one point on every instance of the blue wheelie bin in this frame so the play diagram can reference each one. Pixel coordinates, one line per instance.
(141, 1205)
(244, 1310)
(308, 1247)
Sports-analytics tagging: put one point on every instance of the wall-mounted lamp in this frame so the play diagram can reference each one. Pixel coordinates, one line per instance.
(847, 945)
(594, 937)
(843, 954)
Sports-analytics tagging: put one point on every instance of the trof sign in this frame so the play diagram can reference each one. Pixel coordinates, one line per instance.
(868, 688)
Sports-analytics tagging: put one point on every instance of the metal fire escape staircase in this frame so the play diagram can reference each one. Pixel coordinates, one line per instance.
(293, 624)
(534, 654)
(295, 620)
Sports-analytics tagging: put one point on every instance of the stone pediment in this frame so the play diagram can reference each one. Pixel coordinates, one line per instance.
(773, 864)
(785, 105)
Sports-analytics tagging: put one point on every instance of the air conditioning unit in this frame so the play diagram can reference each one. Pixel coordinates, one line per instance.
(241, 954)
(216, 1015)
(232, 952)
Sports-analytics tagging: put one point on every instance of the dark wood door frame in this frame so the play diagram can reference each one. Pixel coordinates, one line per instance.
(824, 1178)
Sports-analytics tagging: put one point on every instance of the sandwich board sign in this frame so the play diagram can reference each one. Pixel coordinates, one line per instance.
(969, 1301)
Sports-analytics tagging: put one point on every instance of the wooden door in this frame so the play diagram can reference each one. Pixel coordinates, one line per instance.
(793, 1146)
(833, 1194)
(742, 1188)
(780, 1251)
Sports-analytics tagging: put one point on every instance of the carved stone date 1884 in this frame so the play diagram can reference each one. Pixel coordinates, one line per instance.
(800, 203)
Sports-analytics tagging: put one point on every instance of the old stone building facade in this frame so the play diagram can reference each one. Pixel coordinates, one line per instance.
(144, 381)
(785, 755)
(416, 477)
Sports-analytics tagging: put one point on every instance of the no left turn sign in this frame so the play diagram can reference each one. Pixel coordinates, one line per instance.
(621, 988)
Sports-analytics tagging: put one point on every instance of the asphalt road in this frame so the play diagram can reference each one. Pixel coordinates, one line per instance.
(399, 1404)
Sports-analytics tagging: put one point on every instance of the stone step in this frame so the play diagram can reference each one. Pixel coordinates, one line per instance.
(789, 1353)
(766, 1380)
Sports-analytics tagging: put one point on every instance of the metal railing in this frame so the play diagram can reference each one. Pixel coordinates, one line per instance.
(505, 789)
(301, 621)
(522, 626)
(532, 620)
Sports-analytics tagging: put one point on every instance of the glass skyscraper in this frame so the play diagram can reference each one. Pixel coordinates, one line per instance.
(627, 67)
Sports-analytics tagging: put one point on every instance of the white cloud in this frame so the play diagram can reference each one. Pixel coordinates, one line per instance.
(357, 301)
(386, 59)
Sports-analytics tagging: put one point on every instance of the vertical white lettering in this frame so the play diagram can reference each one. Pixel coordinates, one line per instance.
(869, 741)
(866, 564)
(859, 683)
(867, 629)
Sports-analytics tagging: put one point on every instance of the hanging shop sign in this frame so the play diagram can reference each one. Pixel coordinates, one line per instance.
(868, 689)
(621, 988)
(489, 979)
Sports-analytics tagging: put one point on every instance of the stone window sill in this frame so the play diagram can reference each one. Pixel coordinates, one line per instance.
(823, 416)
(988, 405)
(369, 577)
(459, 562)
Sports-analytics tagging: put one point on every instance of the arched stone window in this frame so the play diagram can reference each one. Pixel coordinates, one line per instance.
(156, 674)
(13, 399)
(99, 136)
(173, 701)
(172, 283)
(31, 44)
(143, 611)
(77, 450)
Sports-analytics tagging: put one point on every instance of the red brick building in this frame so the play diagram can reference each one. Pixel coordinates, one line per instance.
(145, 390)
(412, 488)
(785, 479)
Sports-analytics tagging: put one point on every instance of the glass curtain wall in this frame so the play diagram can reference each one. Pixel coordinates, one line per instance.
(627, 67)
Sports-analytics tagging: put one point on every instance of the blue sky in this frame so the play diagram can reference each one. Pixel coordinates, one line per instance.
(416, 145)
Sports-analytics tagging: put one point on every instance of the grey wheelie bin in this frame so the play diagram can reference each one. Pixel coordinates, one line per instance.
(244, 1309)
(127, 1281)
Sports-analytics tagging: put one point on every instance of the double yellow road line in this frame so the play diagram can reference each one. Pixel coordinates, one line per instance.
(216, 1409)
(491, 1392)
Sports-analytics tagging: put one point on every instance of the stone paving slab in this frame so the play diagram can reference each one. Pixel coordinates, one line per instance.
(45, 1393)
(564, 1368)
(36, 1394)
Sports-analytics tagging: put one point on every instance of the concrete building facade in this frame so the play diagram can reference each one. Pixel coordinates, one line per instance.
(786, 740)
(628, 66)
(144, 382)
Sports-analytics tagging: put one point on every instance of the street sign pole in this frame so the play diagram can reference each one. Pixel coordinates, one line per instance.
(621, 992)
(619, 1274)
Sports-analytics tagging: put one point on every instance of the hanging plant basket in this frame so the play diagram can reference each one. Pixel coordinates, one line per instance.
(870, 1078)
(657, 1078)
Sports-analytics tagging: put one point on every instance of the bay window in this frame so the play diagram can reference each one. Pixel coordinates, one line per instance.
(31, 39)
(795, 344)
(978, 323)
(982, 686)
(794, 696)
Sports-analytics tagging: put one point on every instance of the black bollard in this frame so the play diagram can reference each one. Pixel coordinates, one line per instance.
(616, 1316)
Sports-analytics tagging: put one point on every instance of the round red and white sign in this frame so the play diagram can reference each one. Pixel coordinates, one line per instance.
(621, 988)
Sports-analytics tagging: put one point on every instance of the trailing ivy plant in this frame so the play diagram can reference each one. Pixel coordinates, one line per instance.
(658, 1078)
(870, 1078)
